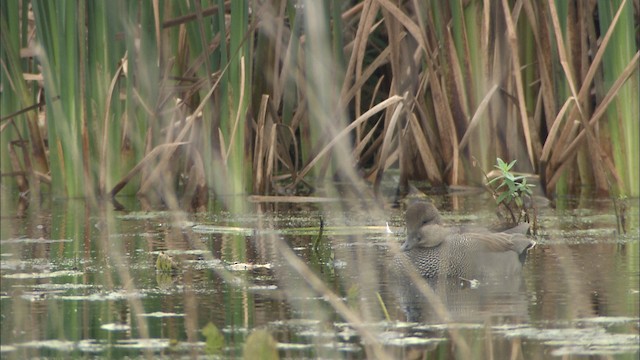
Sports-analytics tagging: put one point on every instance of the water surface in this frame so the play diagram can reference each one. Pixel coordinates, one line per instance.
(80, 283)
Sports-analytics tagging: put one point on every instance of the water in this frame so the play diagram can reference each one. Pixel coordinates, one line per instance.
(83, 284)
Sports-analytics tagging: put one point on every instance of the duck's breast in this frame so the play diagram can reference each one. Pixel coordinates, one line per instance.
(426, 261)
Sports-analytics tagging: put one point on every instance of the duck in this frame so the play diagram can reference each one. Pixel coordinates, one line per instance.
(463, 252)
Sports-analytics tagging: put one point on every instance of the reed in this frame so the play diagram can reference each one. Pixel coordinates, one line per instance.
(234, 124)
(226, 95)
(622, 115)
(21, 136)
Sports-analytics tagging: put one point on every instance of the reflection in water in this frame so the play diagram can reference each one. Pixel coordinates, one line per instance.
(588, 280)
(496, 302)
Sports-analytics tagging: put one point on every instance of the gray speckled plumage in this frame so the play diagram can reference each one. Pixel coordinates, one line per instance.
(471, 253)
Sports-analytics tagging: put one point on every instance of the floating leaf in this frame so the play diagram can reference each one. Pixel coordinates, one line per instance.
(353, 295)
(261, 345)
(214, 339)
(165, 263)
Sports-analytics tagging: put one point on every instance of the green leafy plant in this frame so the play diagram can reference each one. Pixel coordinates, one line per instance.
(517, 186)
(511, 191)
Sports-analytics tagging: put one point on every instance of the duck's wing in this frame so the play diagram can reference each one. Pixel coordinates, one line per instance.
(471, 228)
(522, 228)
(496, 242)
(522, 243)
(500, 242)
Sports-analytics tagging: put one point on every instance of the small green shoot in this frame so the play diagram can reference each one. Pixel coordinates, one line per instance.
(510, 190)
(383, 306)
(318, 238)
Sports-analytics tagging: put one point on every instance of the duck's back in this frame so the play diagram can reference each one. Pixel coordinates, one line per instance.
(470, 256)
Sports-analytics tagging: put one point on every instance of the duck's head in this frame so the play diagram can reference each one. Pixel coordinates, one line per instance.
(424, 224)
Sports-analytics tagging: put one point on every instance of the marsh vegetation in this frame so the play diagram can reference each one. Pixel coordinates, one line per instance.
(179, 101)
(256, 151)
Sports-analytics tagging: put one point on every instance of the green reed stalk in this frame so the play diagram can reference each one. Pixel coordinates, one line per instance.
(81, 61)
(142, 86)
(472, 50)
(104, 106)
(214, 116)
(233, 126)
(322, 73)
(316, 55)
(529, 74)
(481, 145)
(16, 95)
(290, 89)
(337, 42)
(199, 38)
(58, 35)
(560, 82)
(147, 74)
(623, 113)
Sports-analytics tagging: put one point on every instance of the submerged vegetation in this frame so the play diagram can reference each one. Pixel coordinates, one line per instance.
(173, 100)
